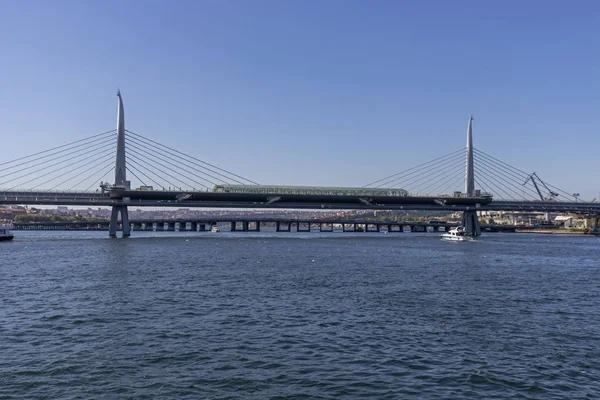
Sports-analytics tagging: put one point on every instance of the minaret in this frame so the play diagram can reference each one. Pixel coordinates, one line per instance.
(120, 176)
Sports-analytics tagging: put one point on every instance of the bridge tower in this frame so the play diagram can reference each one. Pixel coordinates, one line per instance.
(596, 227)
(120, 176)
(470, 220)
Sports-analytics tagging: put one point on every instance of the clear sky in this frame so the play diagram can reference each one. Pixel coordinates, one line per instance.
(310, 92)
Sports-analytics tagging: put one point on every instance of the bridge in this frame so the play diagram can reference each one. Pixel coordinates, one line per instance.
(467, 180)
(253, 224)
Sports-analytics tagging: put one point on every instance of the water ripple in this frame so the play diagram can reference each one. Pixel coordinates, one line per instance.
(294, 318)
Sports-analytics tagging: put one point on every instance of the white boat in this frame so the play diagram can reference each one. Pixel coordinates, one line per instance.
(214, 228)
(5, 233)
(457, 234)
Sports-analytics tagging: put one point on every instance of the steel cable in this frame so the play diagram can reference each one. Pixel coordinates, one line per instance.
(142, 173)
(163, 172)
(103, 158)
(55, 148)
(177, 170)
(92, 175)
(48, 173)
(173, 170)
(97, 146)
(196, 159)
(142, 146)
(432, 169)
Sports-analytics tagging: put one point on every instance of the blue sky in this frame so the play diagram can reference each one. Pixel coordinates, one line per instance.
(312, 92)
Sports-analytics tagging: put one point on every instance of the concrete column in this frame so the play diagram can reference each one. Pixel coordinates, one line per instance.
(114, 216)
(368, 229)
(114, 220)
(125, 221)
(471, 223)
(328, 227)
(300, 229)
(288, 226)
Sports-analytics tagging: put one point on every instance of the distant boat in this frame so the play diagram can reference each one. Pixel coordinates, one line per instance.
(457, 234)
(5, 234)
(214, 228)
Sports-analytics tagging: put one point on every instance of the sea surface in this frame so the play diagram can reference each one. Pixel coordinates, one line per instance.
(299, 316)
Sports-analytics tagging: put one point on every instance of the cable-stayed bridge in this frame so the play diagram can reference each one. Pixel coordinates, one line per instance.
(146, 173)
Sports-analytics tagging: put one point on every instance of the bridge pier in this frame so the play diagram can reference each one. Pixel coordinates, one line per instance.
(470, 222)
(368, 229)
(300, 229)
(325, 227)
(114, 220)
(251, 226)
(237, 226)
(346, 227)
(398, 228)
(288, 226)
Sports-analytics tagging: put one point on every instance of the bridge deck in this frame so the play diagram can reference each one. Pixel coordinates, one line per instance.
(278, 201)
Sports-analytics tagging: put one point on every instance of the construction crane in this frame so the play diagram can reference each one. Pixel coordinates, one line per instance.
(532, 178)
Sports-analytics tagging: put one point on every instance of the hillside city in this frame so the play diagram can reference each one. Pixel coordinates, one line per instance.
(16, 213)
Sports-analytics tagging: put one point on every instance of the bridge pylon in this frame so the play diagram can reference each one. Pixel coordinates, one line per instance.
(121, 181)
(470, 221)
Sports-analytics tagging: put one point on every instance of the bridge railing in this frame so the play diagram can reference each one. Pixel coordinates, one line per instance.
(51, 193)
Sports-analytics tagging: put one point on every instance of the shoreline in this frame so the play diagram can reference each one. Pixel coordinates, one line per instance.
(556, 232)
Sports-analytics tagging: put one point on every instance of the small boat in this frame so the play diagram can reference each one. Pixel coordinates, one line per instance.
(5, 234)
(457, 234)
(214, 228)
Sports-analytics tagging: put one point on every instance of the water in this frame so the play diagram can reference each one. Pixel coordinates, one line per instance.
(258, 316)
